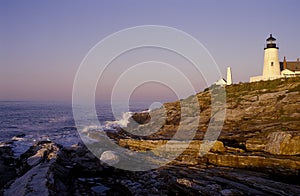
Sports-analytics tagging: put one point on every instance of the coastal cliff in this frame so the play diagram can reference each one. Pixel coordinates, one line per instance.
(253, 110)
(256, 153)
(261, 127)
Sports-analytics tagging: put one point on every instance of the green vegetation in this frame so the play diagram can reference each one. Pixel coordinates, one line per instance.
(241, 89)
(236, 93)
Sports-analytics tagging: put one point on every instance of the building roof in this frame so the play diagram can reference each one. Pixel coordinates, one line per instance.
(222, 81)
(287, 71)
(291, 65)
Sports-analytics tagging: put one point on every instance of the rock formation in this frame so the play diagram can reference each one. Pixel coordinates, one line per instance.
(257, 152)
(260, 132)
(49, 169)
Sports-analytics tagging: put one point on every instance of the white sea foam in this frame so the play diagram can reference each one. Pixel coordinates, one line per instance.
(52, 122)
(87, 129)
(16, 138)
(123, 122)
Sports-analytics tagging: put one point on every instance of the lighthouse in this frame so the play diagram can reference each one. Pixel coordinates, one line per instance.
(273, 69)
(229, 76)
(271, 62)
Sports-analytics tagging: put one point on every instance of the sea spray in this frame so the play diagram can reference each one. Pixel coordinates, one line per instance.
(121, 123)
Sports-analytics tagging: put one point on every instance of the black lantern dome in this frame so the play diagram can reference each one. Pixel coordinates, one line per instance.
(271, 42)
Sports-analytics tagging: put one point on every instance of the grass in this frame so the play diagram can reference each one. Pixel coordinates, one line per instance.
(261, 86)
(236, 92)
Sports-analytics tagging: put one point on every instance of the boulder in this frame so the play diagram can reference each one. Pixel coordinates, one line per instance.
(37, 175)
(110, 157)
(283, 143)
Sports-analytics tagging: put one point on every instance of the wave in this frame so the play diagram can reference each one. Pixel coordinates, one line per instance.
(121, 123)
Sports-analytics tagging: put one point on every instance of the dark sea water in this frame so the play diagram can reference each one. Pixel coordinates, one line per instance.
(24, 123)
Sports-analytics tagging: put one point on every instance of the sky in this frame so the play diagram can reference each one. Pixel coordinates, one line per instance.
(42, 43)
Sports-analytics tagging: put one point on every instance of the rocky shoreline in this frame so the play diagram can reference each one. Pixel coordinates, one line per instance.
(257, 152)
(49, 169)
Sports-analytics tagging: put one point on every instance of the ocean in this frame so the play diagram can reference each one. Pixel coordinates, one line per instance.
(22, 123)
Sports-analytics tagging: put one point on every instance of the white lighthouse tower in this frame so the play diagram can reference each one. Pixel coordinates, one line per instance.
(229, 76)
(271, 62)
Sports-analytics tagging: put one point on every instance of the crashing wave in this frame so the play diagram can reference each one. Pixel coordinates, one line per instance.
(123, 122)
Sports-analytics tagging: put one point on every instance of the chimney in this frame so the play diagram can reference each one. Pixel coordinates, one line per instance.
(229, 77)
(284, 63)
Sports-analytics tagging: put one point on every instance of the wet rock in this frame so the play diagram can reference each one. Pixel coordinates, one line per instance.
(35, 177)
(230, 192)
(33, 182)
(7, 169)
(37, 158)
(141, 118)
(18, 137)
(100, 189)
(73, 171)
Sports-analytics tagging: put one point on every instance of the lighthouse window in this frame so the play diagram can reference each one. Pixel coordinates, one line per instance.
(272, 63)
